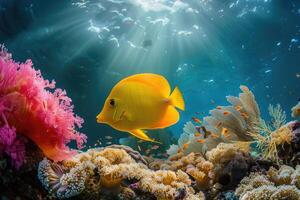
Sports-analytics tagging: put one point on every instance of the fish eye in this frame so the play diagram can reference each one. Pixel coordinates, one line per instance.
(112, 102)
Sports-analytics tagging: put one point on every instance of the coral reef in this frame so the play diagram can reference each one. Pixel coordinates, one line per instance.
(225, 165)
(31, 106)
(37, 120)
(276, 184)
(106, 170)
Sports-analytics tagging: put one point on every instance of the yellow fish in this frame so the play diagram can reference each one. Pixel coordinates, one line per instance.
(139, 102)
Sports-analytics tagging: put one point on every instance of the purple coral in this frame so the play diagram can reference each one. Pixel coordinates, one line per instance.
(12, 146)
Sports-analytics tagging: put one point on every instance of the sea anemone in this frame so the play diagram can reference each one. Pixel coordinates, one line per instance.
(32, 107)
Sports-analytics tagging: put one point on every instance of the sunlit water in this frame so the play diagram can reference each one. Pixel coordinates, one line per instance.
(206, 47)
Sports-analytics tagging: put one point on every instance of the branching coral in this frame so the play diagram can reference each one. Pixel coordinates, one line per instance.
(276, 185)
(97, 170)
(270, 136)
(289, 152)
(31, 106)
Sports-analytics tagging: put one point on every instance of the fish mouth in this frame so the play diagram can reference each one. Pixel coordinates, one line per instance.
(100, 119)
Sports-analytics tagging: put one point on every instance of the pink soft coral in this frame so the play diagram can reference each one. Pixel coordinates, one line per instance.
(32, 106)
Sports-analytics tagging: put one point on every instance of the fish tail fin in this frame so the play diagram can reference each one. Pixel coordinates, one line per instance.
(177, 99)
(142, 135)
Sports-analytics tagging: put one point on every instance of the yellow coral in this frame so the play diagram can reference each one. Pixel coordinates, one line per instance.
(278, 184)
(193, 164)
(269, 142)
(96, 169)
(224, 152)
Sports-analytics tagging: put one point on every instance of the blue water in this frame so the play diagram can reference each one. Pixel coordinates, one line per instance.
(206, 47)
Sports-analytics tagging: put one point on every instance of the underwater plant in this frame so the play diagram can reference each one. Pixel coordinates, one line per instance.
(32, 107)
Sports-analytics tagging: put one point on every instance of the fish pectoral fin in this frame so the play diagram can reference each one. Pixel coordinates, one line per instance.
(142, 135)
(128, 116)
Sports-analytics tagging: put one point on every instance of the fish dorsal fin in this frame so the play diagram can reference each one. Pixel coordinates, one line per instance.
(155, 80)
(170, 117)
(141, 135)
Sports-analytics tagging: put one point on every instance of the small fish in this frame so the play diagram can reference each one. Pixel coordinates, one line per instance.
(197, 134)
(218, 124)
(108, 142)
(196, 120)
(108, 137)
(155, 147)
(219, 107)
(201, 141)
(197, 113)
(212, 101)
(142, 101)
(244, 115)
(213, 135)
(225, 113)
(185, 146)
(225, 132)
(238, 108)
(139, 147)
